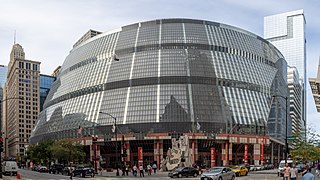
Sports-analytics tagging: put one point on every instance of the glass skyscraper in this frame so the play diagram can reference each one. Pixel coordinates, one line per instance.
(46, 82)
(3, 75)
(286, 31)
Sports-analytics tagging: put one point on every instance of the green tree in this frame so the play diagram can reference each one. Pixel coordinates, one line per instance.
(306, 148)
(40, 153)
(67, 150)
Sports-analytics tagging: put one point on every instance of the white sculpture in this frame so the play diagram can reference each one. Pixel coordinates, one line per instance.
(178, 155)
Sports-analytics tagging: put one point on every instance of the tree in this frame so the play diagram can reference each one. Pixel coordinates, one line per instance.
(306, 148)
(67, 150)
(64, 150)
(40, 153)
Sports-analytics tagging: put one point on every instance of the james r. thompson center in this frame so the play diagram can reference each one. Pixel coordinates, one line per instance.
(169, 78)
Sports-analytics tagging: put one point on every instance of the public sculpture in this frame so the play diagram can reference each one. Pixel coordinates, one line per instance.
(177, 156)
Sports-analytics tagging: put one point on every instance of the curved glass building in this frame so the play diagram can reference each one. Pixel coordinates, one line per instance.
(172, 76)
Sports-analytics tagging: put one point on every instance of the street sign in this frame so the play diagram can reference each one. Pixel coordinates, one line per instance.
(291, 138)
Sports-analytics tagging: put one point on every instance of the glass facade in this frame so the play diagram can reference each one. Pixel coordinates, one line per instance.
(3, 75)
(172, 74)
(286, 31)
(45, 85)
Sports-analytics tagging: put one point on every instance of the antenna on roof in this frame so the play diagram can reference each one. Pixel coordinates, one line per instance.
(14, 37)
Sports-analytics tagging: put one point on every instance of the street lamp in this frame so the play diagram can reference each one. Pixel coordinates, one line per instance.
(115, 132)
(1, 138)
(286, 139)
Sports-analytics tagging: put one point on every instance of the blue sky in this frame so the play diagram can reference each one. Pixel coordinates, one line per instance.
(48, 29)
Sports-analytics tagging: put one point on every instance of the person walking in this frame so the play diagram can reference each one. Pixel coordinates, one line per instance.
(149, 169)
(141, 170)
(308, 175)
(134, 170)
(123, 168)
(127, 169)
(286, 171)
(318, 169)
(293, 173)
(154, 167)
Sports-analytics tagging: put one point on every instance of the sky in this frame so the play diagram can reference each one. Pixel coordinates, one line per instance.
(48, 29)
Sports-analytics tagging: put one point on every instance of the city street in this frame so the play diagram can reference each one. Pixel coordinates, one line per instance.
(30, 175)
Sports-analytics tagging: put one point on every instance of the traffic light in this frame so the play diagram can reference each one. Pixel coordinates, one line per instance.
(1, 144)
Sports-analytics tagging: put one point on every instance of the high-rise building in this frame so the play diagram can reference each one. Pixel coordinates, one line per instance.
(287, 32)
(45, 85)
(3, 75)
(23, 104)
(315, 88)
(56, 71)
(295, 90)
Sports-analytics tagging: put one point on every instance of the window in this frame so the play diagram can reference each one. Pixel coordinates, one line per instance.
(21, 65)
(35, 67)
(28, 66)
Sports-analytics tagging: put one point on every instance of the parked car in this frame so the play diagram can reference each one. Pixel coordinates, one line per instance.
(56, 169)
(258, 167)
(9, 167)
(246, 166)
(270, 166)
(218, 173)
(43, 169)
(184, 171)
(299, 167)
(252, 168)
(240, 170)
(282, 165)
(83, 171)
(35, 167)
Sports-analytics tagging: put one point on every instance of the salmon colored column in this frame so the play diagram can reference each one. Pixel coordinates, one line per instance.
(246, 153)
(230, 152)
(140, 156)
(262, 151)
(156, 151)
(128, 158)
(256, 153)
(194, 146)
(213, 157)
(225, 153)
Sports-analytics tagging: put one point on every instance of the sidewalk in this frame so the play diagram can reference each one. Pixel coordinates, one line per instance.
(113, 174)
(9, 178)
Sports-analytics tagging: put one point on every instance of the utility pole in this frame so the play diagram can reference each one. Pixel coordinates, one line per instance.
(115, 133)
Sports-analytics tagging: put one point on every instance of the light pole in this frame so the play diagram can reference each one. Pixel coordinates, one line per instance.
(115, 132)
(286, 138)
(1, 138)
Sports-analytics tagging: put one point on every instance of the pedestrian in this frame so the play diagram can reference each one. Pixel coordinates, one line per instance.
(286, 171)
(127, 170)
(154, 167)
(293, 173)
(141, 170)
(318, 169)
(123, 168)
(308, 175)
(134, 170)
(149, 169)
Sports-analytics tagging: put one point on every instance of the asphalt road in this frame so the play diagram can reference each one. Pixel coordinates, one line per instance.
(32, 175)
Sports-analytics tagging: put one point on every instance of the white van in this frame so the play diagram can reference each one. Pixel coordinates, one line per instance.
(10, 167)
(282, 164)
